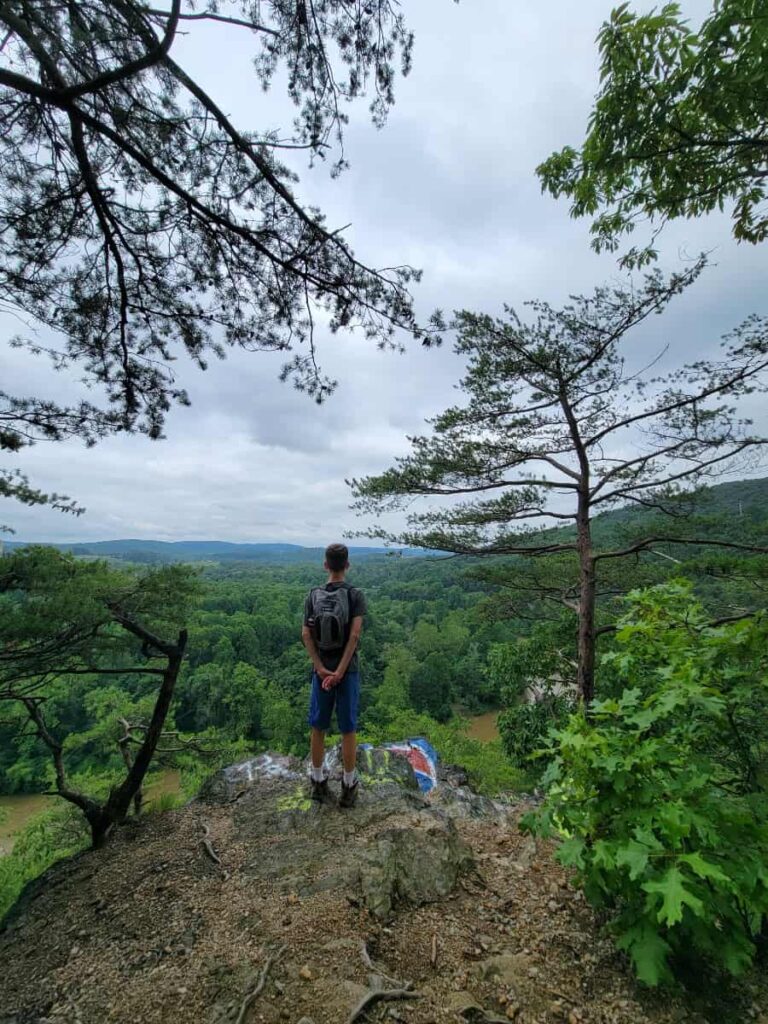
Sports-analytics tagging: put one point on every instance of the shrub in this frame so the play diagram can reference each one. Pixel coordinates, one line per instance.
(660, 794)
(525, 727)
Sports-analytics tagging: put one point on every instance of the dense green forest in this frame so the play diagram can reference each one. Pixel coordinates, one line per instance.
(442, 638)
(426, 648)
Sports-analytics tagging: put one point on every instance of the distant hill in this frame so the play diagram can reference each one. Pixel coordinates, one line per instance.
(135, 550)
(737, 497)
(736, 501)
(723, 508)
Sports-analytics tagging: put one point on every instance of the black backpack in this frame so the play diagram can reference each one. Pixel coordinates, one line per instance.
(330, 612)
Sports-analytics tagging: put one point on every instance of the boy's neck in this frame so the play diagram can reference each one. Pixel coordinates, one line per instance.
(336, 577)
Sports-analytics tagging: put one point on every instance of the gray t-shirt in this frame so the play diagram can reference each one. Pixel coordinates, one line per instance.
(357, 606)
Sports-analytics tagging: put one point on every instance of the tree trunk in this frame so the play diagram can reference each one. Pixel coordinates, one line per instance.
(120, 799)
(587, 594)
(101, 825)
(138, 796)
(103, 817)
(586, 646)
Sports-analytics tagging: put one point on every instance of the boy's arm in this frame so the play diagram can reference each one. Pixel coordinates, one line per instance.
(309, 642)
(355, 629)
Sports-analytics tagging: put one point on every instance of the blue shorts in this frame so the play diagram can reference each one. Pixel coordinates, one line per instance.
(345, 696)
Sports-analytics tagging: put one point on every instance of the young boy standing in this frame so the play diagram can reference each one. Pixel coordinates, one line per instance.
(333, 620)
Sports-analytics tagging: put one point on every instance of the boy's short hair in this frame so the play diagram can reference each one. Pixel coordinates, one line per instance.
(337, 557)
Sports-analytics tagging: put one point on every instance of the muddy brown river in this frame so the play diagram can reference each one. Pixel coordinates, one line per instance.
(485, 727)
(19, 809)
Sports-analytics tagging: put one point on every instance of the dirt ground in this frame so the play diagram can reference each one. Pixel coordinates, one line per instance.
(151, 930)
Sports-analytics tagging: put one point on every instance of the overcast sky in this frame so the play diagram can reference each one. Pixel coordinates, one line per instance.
(448, 185)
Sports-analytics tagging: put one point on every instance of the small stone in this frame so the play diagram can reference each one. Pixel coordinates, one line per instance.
(293, 899)
(512, 1011)
(306, 1020)
(533, 972)
(552, 906)
(306, 973)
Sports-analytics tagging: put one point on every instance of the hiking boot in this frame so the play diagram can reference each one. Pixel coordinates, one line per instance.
(319, 791)
(348, 795)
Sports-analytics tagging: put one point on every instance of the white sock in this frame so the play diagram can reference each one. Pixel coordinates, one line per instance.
(317, 774)
(349, 778)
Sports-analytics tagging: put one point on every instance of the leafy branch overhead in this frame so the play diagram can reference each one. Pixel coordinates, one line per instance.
(678, 128)
(138, 222)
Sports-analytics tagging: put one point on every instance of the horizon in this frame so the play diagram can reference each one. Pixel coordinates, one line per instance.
(313, 545)
(203, 540)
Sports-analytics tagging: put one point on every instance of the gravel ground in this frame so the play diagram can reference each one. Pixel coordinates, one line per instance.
(151, 930)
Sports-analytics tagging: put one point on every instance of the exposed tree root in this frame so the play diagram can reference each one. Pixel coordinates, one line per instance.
(256, 991)
(380, 995)
(208, 847)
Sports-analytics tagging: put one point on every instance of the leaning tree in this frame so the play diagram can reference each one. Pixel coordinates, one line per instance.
(558, 428)
(678, 128)
(138, 222)
(62, 618)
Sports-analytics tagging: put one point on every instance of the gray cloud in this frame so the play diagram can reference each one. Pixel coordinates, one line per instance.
(449, 186)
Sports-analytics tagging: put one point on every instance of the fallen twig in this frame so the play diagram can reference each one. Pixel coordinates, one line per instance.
(433, 956)
(257, 989)
(380, 995)
(560, 995)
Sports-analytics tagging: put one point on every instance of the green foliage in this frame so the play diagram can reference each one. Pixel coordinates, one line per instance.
(165, 802)
(65, 651)
(535, 674)
(524, 727)
(52, 835)
(14, 484)
(56, 611)
(678, 128)
(661, 794)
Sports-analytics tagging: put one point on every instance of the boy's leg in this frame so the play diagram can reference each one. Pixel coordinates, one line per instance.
(346, 711)
(320, 709)
(349, 751)
(317, 752)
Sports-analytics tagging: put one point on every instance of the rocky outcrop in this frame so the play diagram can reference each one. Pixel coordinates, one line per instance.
(394, 847)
